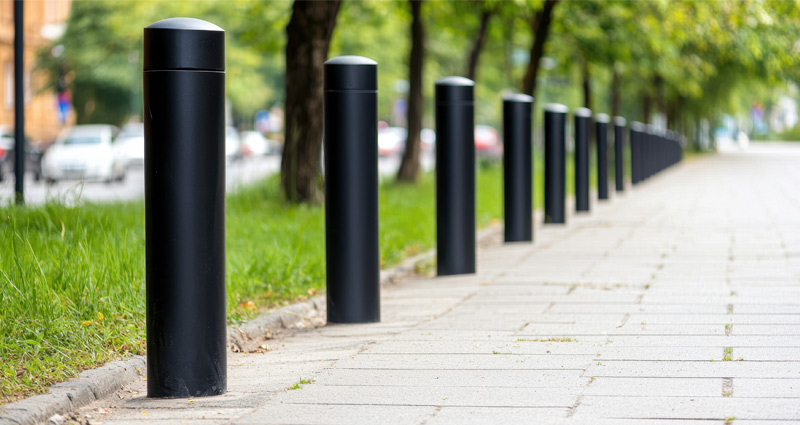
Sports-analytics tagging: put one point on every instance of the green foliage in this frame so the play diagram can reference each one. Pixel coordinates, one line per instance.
(103, 63)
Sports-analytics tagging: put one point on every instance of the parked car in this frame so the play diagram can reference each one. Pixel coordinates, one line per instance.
(233, 144)
(391, 140)
(427, 138)
(487, 143)
(131, 143)
(85, 152)
(254, 143)
(33, 155)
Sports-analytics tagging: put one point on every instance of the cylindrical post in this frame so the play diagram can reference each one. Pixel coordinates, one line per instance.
(649, 149)
(352, 248)
(517, 162)
(184, 128)
(555, 121)
(619, 153)
(582, 117)
(637, 157)
(19, 103)
(455, 176)
(601, 135)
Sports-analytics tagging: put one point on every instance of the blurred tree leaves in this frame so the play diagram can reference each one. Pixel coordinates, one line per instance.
(694, 55)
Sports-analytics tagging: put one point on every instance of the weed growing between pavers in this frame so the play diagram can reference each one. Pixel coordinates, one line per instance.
(298, 385)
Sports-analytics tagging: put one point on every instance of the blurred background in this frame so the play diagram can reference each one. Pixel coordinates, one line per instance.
(715, 71)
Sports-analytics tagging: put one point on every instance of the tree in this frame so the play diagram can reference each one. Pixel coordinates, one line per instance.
(540, 27)
(478, 43)
(308, 37)
(409, 167)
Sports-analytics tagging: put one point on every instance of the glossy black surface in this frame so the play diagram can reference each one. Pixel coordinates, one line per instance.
(554, 166)
(184, 129)
(351, 191)
(601, 135)
(455, 177)
(517, 169)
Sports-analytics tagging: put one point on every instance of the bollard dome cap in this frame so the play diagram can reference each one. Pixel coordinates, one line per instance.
(601, 118)
(620, 121)
(556, 107)
(638, 126)
(351, 73)
(184, 44)
(583, 112)
(455, 89)
(518, 98)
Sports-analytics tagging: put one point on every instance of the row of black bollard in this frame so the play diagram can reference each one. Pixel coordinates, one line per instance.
(184, 121)
(652, 150)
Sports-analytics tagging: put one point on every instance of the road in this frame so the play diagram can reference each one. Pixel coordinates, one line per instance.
(239, 173)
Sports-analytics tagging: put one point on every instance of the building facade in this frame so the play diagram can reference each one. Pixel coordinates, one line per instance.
(44, 21)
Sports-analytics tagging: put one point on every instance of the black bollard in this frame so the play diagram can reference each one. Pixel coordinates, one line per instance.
(455, 176)
(601, 135)
(637, 160)
(184, 127)
(517, 174)
(19, 103)
(651, 140)
(555, 121)
(619, 153)
(352, 248)
(582, 117)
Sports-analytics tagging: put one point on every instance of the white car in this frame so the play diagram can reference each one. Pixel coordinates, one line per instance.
(131, 143)
(85, 152)
(233, 145)
(391, 141)
(254, 143)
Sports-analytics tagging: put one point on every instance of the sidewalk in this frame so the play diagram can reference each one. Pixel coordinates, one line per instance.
(678, 300)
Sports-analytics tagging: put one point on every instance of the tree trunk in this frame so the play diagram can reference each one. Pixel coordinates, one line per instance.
(540, 28)
(587, 85)
(409, 167)
(477, 45)
(616, 83)
(646, 101)
(308, 36)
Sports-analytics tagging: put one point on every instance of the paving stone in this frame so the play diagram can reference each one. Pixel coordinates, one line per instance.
(691, 369)
(778, 388)
(688, 408)
(357, 414)
(434, 396)
(454, 378)
(495, 415)
(654, 387)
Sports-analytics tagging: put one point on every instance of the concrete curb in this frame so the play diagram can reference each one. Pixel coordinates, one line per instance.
(91, 385)
(96, 384)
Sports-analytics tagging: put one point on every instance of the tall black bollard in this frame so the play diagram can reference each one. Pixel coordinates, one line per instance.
(601, 135)
(619, 153)
(19, 103)
(517, 174)
(455, 176)
(582, 117)
(352, 248)
(555, 121)
(184, 127)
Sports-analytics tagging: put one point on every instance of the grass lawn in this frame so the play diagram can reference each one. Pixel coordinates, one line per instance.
(72, 286)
